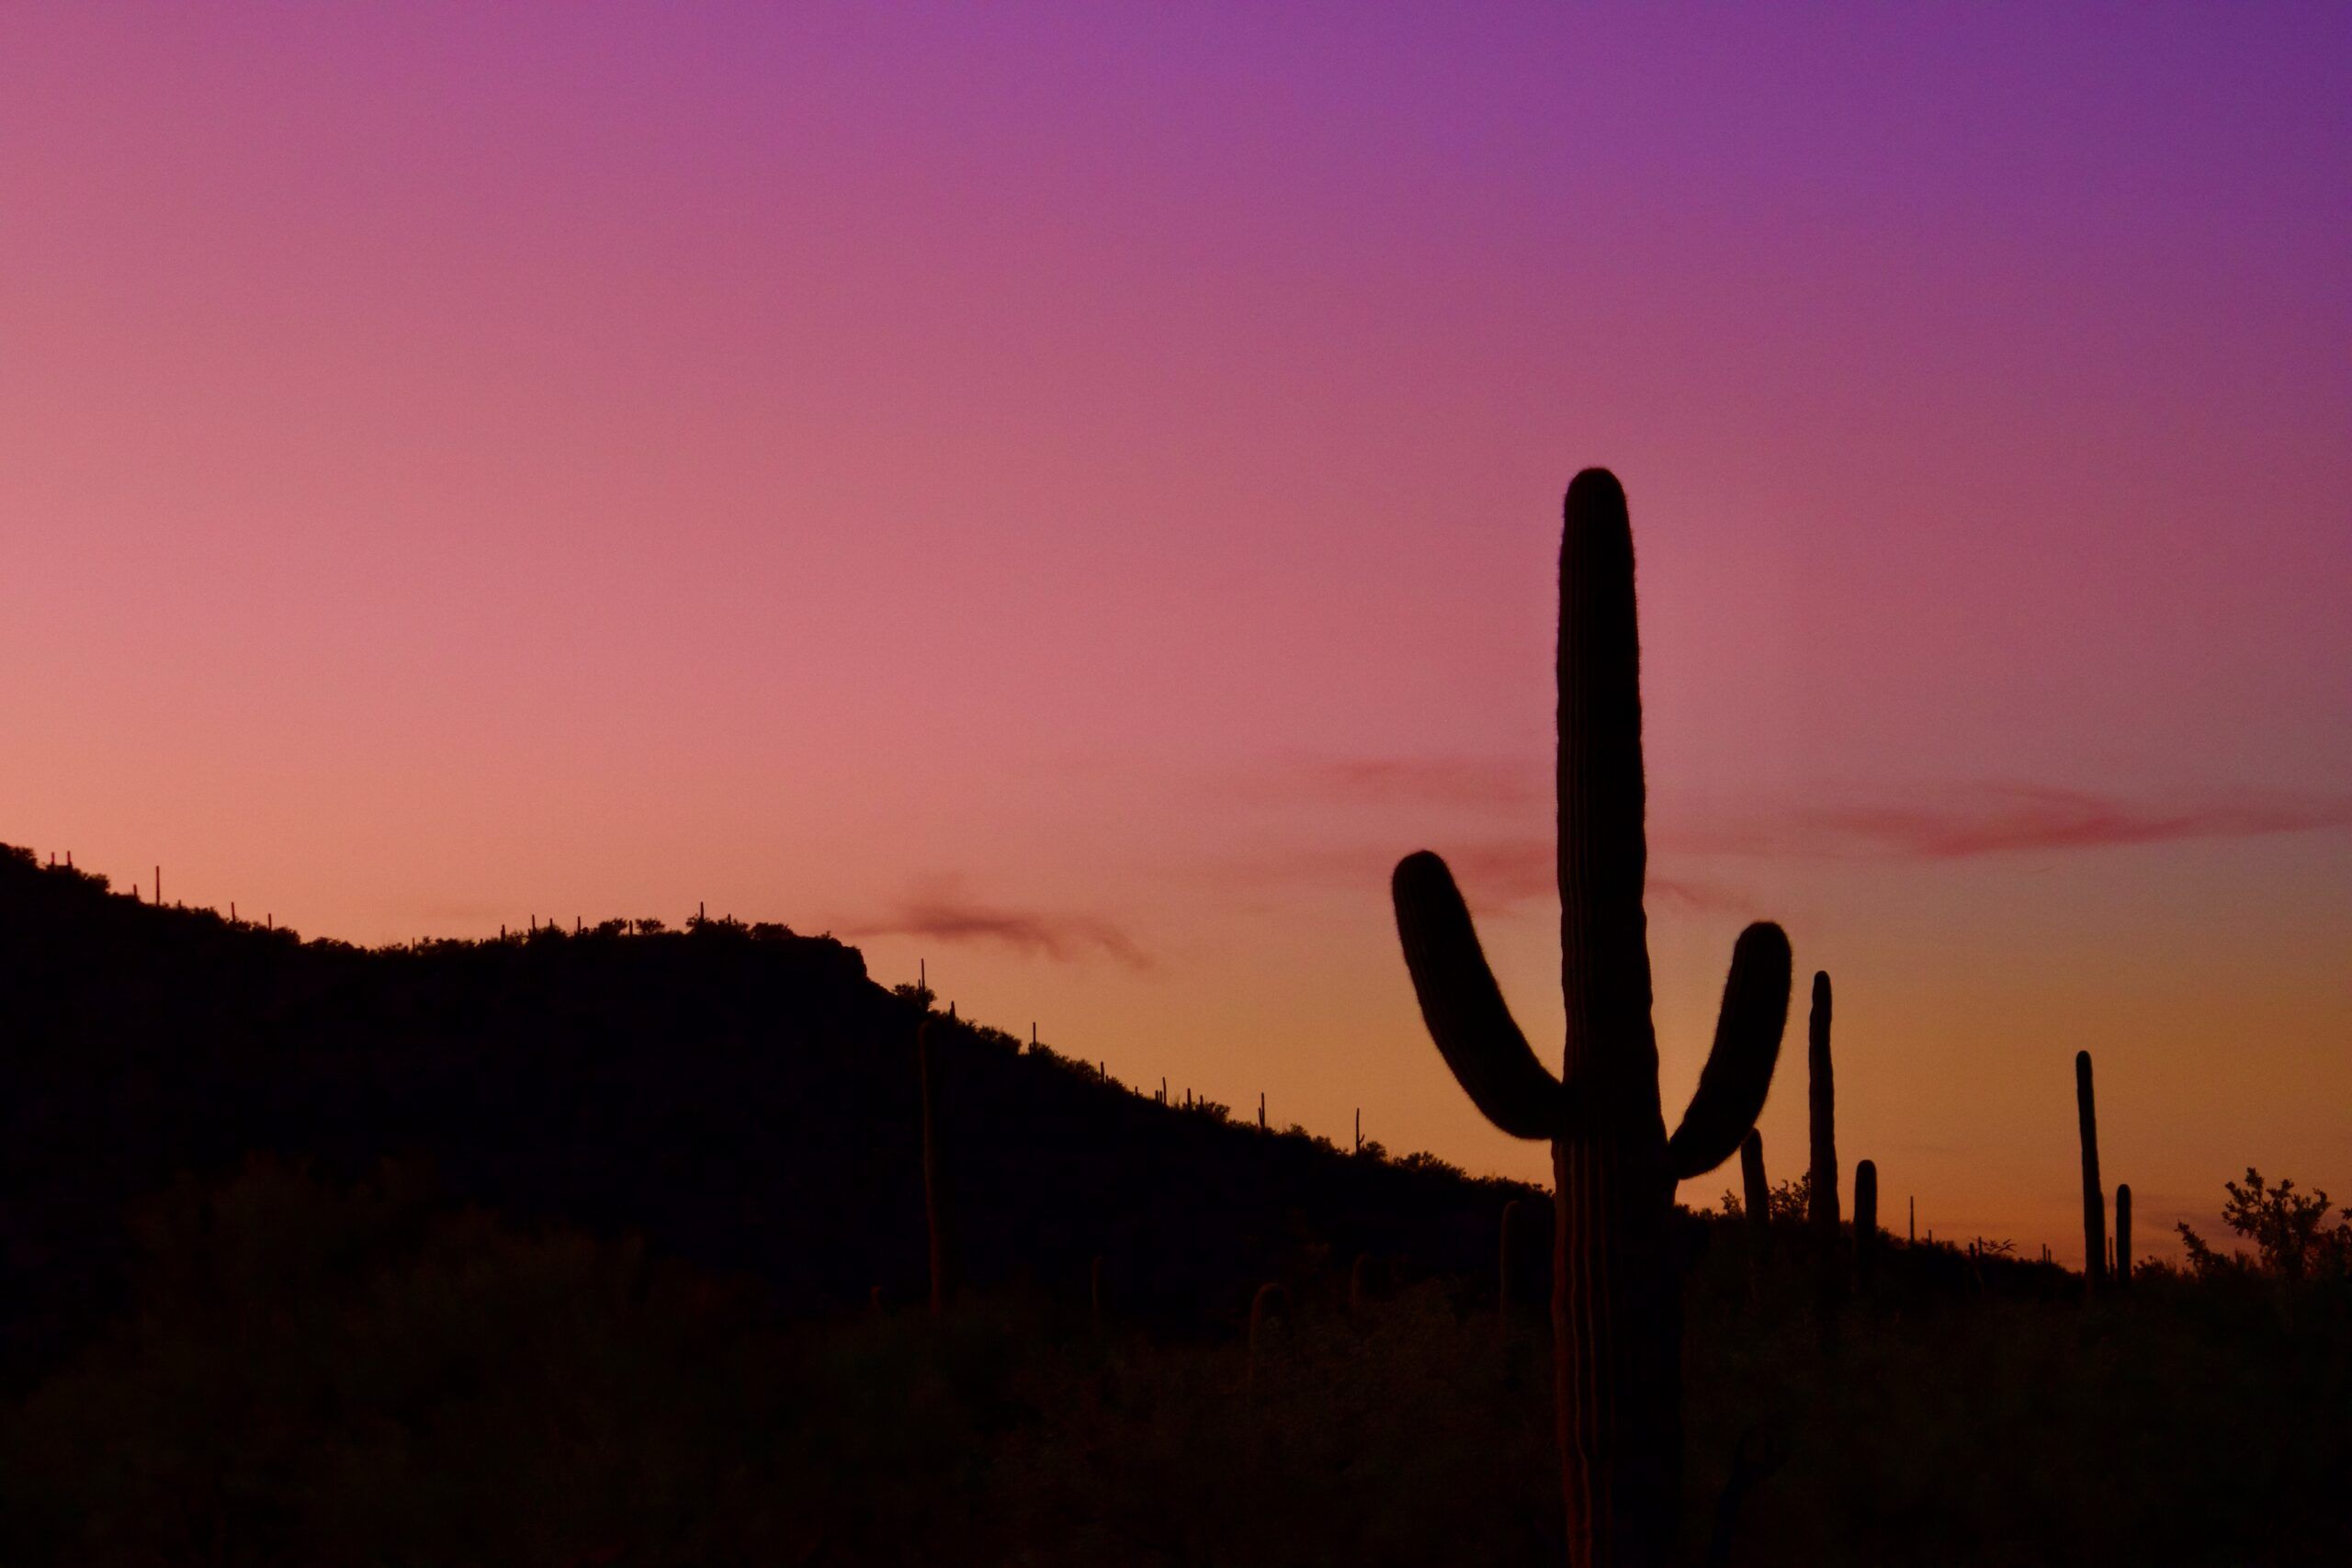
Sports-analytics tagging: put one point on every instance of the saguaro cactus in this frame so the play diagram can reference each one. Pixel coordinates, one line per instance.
(1615, 1304)
(1757, 1192)
(2093, 1197)
(2122, 1233)
(1822, 1101)
(934, 1203)
(1865, 1221)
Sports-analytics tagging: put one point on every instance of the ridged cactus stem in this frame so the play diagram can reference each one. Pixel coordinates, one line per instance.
(1865, 1222)
(1616, 1308)
(2122, 1234)
(933, 1206)
(2094, 1196)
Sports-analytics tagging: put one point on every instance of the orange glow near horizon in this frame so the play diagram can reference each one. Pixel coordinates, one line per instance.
(1072, 498)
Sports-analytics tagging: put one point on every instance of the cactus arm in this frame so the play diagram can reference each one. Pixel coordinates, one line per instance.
(1464, 1008)
(1747, 1045)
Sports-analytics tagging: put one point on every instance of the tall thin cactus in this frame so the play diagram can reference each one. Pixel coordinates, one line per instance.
(1865, 1222)
(1757, 1198)
(2122, 1233)
(2093, 1197)
(1616, 1307)
(1822, 1101)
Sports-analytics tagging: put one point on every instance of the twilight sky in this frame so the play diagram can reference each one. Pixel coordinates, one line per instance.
(1070, 493)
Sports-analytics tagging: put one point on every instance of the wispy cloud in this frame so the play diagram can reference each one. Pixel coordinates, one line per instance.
(2003, 819)
(1491, 872)
(944, 912)
(1954, 822)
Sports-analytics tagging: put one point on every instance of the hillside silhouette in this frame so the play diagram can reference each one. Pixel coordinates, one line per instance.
(609, 1246)
(742, 1097)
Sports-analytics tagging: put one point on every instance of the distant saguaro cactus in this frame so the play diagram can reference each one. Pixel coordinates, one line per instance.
(933, 1199)
(1615, 1304)
(1360, 1282)
(1865, 1222)
(1822, 1101)
(1829, 1272)
(2122, 1233)
(1757, 1195)
(2094, 1196)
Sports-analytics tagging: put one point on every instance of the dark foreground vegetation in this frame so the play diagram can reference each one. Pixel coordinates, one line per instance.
(316, 1374)
(563, 1250)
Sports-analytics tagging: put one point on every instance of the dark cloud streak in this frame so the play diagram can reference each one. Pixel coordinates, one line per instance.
(945, 914)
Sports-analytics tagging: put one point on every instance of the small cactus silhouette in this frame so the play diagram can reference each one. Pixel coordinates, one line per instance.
(1822, 1101)
(1757, 1200)
(2122, 1233)
(1865, 1222)
(1615, 1304)
(2093, 1197)
(1821, 1098)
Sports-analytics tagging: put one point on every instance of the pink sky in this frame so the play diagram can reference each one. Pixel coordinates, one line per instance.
(1069, 493)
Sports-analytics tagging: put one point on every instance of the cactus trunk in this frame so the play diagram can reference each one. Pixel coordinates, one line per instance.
(2093, 1197)
(1615, 1304)
(1822, 1099)
(1758, 1203)
(2122, 1233)
(1758, 1192)
(1865, 1222)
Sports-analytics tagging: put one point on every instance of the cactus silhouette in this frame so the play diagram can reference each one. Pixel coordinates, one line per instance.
(2122, 1233)
(2093, 1197)
(934, 1205)
(1822, 1099)
(1757, 1197)
(1615, 1302)
(1865, 1222)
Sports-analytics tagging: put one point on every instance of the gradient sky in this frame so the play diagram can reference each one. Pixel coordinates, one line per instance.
(1070, 493)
